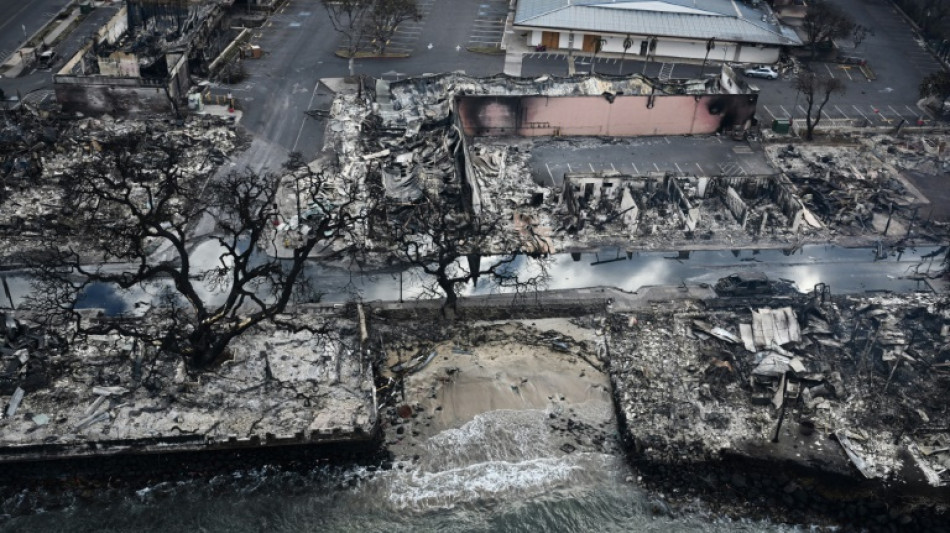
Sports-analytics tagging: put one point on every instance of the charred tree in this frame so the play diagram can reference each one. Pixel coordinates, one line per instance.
(817, 90)
(386, 16)
(349, 18)
(453, 246)
(825, 22)
(127, 225)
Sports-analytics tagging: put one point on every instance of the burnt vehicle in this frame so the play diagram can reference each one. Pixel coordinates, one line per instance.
(752, 284)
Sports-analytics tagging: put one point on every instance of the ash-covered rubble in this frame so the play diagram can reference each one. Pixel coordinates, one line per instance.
(40, 154)
(112, 394)
(408, 141)
(657, 210)
(146, 39)
(859, 191)
(849, 385)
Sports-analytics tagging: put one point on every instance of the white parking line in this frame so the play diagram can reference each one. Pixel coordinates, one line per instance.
(701, 172)
(830, 73)
(859, 112)
(656, 167)
(769, 111)
(895, 111)
(635, 169)
(912, 112)
(550, 174)
(569, 168)
(678, 169)
(840, 111)
(787, 114)
(591, 165)
(802, 110)
(667, 139)
(613, 167)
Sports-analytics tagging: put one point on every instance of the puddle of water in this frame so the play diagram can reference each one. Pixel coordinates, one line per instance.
(845, 270)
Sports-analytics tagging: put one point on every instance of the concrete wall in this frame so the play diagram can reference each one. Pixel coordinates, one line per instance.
(626, 116)
(112, 99)
(119, 64)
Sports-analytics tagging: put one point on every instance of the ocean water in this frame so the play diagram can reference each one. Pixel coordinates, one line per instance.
(500, 472)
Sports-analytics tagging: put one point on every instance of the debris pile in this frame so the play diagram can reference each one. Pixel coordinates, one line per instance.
(840, 384)
(25, 360)
(407, 144)
(43, 153)
(858, 191)
(115, 394)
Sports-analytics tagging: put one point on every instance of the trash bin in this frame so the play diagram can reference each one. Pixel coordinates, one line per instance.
(781, 125)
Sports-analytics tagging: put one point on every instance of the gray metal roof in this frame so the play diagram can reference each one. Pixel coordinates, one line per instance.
(725, 20)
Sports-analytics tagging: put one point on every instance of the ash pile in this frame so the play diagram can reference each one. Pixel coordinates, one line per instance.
(27, 353)
(42, 153)
(851, 386)
(863, 190)
(114, 394)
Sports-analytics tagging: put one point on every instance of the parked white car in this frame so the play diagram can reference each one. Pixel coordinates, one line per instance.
(761, 72)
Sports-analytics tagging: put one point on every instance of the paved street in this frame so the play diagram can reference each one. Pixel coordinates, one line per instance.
(21, 18)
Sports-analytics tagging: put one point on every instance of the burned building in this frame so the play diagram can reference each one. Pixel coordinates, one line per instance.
(683, 207)
(142, 60)
(492, 139)
(596, 105)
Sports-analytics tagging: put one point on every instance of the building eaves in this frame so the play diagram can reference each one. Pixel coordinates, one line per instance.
(591, 15)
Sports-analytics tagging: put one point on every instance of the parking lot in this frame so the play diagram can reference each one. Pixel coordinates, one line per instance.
(897, 60)
(489, 25)
(697, 156)
(406, 38)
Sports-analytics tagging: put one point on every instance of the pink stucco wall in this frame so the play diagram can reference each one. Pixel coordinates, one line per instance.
(595, 115)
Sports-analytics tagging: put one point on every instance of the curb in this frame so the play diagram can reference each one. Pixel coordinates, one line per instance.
(49, 22)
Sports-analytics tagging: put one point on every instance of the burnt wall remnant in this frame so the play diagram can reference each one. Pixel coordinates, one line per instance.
(143, 58)
(618, 116)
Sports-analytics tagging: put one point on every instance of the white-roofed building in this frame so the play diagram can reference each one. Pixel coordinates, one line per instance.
(716, 30)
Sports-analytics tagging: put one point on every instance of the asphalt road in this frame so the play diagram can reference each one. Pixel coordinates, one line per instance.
(299, 44)
(41, 80)
(21, 18)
